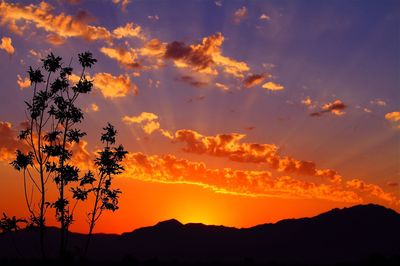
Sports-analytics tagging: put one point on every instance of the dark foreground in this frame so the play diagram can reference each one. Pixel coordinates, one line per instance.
(360, 235)
(373, 260)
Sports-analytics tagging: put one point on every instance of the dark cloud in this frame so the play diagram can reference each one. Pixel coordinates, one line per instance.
(336, 108)
(192, 81)
(253, 79)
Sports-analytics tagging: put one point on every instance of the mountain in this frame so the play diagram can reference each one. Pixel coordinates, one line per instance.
(348, 234)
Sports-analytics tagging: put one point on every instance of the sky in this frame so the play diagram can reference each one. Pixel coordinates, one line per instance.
(234, 113)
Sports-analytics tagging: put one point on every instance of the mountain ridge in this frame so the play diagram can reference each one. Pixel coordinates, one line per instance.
(346, 234)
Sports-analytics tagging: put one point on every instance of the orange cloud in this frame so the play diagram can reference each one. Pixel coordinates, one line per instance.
(148, 122)
(169, 169)
(272, 86)
(23, 83)
(372, 190)
(232, 147)
(240, 14)
(335, 108)
(394, 118)
(114, 86)
(222, 86)
(92, 108)
(8, 141)
(125, 57)
(307, 101)
(6, 45)
(81, 156)
(205, 57)
(124, 4)
(55, 39)
(253, 80)
(129, 30)
(110, 86)
(42, 17)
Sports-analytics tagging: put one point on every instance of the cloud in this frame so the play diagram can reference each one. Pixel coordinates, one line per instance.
(394, 118)
(240, 14)
(372, 190)
(254, 79)
(170, 169)
(92, 108)
(124, 4)
(307, 101)
(8, 141)
(218, 3)
(42, 17)
(232, 147)
(147, 120)
(378, 102)
(335, 108)
(367, 110)
(328, 185)
(81, 157)
(125, 57)
(153, 17)
(130, 30)
(186, 56)
(193, 82)
(55, 39)
(272, 86)
(392, 184)
(6, 45)
(205, 57)
(264, 17)
(222, 86)
(110, 86)
(23, 83)
(114, 86)
(72, 2)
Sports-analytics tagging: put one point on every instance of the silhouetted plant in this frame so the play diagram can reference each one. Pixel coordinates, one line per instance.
(50, 135)
(108, 165)
(10, 224)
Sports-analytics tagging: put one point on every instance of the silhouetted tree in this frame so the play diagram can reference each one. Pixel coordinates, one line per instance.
(108, 165)
(50, 136)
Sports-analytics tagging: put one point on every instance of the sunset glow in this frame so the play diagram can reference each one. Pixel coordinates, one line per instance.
(234, 113)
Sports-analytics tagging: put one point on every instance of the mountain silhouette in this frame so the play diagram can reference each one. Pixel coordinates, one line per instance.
(340, 235)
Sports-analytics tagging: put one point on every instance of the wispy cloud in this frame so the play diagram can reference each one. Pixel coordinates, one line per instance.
(336, 108)
(6, 45)
(272, 86)
(23, 83)
(111, 87)
(394, 118)
(240, 14)
(42, 17)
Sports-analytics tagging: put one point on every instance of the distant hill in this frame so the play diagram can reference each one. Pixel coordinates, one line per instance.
(348, 234)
